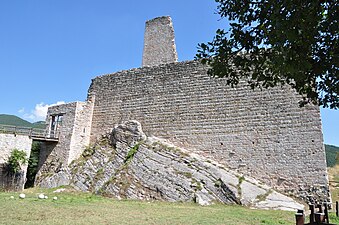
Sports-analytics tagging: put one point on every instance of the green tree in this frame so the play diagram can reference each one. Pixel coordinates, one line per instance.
(33, 164)
(272, 42)
(16, 160)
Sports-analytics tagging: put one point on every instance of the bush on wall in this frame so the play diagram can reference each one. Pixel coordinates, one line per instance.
(16, 160)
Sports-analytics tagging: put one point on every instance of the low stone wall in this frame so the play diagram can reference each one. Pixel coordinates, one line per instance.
(8, 142)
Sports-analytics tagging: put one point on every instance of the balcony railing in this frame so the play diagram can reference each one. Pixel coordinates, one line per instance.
(34, 133)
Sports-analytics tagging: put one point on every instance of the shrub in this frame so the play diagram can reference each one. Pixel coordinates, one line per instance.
(16, 160)
(131, 153)
(89, 151)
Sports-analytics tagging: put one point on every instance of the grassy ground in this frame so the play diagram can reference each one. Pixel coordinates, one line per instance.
(84, 208)
(333, 173)
(81, 208)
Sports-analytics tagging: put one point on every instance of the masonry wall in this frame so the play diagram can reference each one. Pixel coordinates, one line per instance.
(74, 135)
(8, 142)
(82, 129)
(159, 45)
(62, 148)
(263, 134)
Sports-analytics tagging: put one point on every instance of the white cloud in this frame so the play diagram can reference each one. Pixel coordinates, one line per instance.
(40, 111)
(22, 110)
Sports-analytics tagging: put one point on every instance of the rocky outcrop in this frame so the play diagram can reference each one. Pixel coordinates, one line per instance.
(127, 164)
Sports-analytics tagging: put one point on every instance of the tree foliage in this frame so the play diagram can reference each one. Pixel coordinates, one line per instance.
(16, 160)
(33, 164)
(272, 42)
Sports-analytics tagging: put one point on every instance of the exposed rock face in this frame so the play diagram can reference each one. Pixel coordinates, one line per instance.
(127, 164)
(62, 176)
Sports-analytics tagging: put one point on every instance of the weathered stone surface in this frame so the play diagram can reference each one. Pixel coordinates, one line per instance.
(9, 142)
(73, 132)
(276, 200)
(127, 164)
(128, 133)
(262, 134)
(59, 178)
(159, 44)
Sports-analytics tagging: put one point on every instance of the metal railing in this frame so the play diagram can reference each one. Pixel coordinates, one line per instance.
(34, 133)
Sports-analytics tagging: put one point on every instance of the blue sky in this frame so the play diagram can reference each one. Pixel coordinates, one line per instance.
(50, 50)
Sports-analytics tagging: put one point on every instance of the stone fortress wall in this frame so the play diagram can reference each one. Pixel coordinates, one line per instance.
(263, 134)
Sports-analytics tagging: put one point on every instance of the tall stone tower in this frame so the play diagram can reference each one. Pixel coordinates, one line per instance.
(159, 45)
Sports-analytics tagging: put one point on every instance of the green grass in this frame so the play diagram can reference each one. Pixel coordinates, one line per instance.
(85, 208)
(333, 173)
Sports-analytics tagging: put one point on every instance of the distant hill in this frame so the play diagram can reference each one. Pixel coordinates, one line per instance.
(39, 124)
(331, 153)
(17, 121)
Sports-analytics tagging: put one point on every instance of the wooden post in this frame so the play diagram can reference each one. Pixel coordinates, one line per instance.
(300, 217)
(312, 213)
(337, 208)
(326, 212)
(319, 217)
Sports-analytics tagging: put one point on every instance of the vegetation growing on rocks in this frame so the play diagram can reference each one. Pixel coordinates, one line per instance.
(155, 169)
(131, 153)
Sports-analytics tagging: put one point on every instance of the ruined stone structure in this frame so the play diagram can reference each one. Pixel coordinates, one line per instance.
(72, 123)
(263, 134)
(159, 45)
(9, 142)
